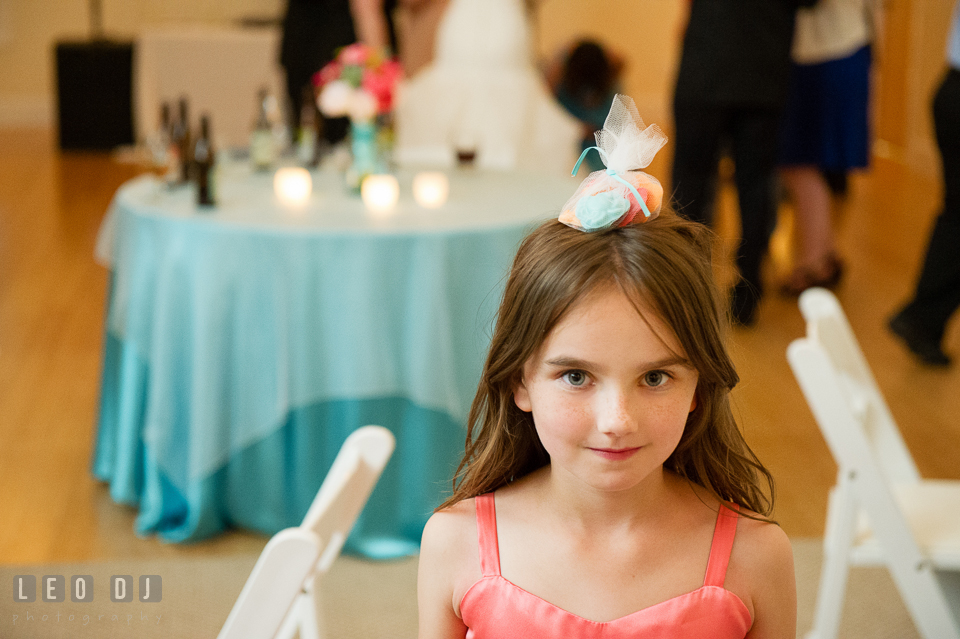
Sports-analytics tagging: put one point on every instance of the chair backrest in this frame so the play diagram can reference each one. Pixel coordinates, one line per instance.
(830, 375)
(347, 487)
(853, 419)
(872, 458)
(828, 328)
(295, 557)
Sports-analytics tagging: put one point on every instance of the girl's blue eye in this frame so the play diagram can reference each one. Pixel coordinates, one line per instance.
(655, 378)
(575, 378)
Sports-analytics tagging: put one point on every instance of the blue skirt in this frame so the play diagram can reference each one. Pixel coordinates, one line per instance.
(825, 119)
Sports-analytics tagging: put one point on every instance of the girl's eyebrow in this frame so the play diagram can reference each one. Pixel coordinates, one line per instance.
(573, 362)
(569, 362)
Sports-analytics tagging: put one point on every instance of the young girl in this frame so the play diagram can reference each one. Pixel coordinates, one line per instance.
(606, 490)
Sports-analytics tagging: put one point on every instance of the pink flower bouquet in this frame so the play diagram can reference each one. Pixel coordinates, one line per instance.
(359, 83)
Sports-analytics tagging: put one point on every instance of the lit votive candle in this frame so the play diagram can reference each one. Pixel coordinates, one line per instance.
(380, 193)
(292, 185)
(430, 189)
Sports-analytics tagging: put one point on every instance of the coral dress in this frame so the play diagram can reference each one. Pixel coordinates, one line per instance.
(494, 608)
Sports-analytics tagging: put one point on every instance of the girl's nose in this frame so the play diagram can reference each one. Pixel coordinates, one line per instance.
(616, 415)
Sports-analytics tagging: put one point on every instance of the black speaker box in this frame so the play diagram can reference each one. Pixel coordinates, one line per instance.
(94, 94)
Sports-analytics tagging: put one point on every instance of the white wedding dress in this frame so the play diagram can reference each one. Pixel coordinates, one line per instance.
(482, 92)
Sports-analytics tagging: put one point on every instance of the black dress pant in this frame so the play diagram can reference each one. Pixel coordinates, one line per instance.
(702, 131)
(332, 129)
(937, 295)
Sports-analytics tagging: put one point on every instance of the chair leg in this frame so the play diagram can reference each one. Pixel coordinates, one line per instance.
(928, 602)
(837, 542)
(291, 624)
(311, 625)
(950, 584)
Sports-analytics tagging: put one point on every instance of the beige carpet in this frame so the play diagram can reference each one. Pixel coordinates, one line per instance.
(363, 600)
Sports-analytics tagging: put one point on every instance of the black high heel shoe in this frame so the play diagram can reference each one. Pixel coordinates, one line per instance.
(924, 347)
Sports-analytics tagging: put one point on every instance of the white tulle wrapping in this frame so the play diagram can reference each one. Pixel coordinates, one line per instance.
(627, 145)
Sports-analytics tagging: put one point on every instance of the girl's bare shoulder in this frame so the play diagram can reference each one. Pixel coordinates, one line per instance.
(761, 573)
(761, 546)
(451, 530)
(450, 553)
(757, 543)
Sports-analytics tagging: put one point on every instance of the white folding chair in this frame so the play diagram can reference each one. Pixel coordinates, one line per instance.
(281, 595)
(881, 512)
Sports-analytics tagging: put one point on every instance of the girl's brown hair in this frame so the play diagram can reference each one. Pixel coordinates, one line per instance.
(664, 264)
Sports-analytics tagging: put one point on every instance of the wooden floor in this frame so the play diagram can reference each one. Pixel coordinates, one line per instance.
(51, 314)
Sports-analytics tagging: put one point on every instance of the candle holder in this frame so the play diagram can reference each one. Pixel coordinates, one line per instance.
(430, 189)
(293, 185)
(380, 193)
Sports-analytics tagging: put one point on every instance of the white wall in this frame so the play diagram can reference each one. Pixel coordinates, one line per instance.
(30, 28)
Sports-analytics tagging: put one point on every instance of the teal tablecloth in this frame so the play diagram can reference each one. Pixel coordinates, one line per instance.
(243, 345)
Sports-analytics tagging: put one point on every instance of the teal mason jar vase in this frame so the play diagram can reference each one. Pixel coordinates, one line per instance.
(365, 152)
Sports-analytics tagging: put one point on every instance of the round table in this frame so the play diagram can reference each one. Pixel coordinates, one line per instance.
(244, 343)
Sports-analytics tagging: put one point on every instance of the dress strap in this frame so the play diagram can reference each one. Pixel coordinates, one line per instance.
(487, 534)
(723, 536)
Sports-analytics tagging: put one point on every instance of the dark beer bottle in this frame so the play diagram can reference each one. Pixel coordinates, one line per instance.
(307, 133)
(204, 160)
(181, 138)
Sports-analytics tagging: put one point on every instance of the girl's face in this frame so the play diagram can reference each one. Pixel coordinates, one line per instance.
(609, 396)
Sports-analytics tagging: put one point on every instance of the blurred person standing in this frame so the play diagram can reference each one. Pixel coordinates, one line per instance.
(482, 98)
(731, 87)
(313, 30)
(417, 24)
(825, 127)
(584, 78)
(922, 322)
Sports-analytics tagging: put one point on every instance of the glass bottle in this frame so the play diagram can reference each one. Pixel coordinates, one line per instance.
(159, 141)
(307, 133)
(262, 147)
(181, 140)
(204, 160)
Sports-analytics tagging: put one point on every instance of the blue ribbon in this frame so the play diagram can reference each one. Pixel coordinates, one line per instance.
(613, 173)
(603, 156)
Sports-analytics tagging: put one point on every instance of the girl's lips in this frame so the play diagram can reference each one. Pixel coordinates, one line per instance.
(616, 454)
